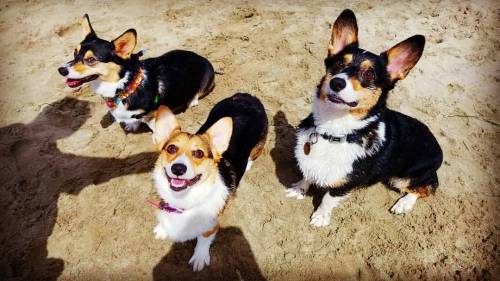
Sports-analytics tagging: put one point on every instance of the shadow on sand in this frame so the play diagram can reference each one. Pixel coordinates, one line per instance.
(34, 172)
(231, 259)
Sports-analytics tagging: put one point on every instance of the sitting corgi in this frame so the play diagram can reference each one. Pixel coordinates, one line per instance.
(133, 88)
(196, 174)
(351, 139)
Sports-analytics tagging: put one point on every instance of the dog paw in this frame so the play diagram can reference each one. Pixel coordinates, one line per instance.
(199, 259)
(320, 218)
(296, 191)
(160, 233)
(194, 102)
(249, 165)
(131, 127)
(404, 204)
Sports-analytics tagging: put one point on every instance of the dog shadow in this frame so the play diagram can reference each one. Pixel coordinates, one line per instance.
(284, 159)
(231, 258)
(34, 172)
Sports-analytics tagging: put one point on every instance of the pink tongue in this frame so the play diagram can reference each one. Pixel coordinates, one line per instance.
(178, 182)
(73, 83)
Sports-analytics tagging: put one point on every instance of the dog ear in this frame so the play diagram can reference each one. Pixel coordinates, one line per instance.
(403, 57)
(220, 135)
(165, 124)
(86, 26)
(125, 43)
(344, 32)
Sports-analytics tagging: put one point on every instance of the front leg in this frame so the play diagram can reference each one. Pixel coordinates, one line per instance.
(298, 189)
(331, 199)
(131, 126)
(201, 255)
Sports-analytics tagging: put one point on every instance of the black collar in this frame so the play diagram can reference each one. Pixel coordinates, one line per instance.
(355, 137)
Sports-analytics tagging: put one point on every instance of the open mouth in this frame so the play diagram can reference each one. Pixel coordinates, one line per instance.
(73, 83)
(177, 184)
(336, 99)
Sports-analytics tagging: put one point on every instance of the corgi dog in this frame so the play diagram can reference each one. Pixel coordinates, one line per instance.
(132, 88)
(196, 174)
(351, 139)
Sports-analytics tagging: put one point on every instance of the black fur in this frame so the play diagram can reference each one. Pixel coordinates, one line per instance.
(250, 127)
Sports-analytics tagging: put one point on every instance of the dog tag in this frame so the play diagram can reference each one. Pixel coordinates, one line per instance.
(307, 148)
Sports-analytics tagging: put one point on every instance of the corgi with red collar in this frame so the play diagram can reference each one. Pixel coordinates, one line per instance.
(134, 88)
(196, 174)
(351, 139)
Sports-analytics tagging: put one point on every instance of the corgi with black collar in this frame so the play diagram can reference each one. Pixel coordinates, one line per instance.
(134, 88)
(351, 139)
(196, 174)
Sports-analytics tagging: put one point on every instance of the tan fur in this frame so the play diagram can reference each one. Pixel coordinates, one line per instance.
(325, 85)
(348, 58)
(366, 98)
(258, 149)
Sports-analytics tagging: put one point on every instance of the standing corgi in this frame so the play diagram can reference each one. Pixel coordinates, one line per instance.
(196, 174)
(133, 88)
(351, 139)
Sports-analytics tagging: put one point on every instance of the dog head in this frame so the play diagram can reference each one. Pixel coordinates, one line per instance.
(95, 58)
(357, 81)
(186, 160)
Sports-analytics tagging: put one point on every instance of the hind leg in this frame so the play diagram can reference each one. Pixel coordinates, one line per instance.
(256, 152)
(414, 188)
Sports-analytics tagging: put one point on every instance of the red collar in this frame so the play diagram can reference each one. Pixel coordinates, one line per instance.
(125, 93)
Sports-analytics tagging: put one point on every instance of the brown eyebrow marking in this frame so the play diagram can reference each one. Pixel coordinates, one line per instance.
(367, 64)
(347, 58)
(88, 54)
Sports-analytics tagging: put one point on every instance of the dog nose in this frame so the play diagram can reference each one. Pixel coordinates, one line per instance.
(337, 84)
(63, 71)
(178, 169)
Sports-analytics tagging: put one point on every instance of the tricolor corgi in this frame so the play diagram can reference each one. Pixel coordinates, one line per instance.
(134, 88)
(351, 139)
(196, 174)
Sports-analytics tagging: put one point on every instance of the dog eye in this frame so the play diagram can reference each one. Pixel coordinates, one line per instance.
(368, 75)
(339, 64)
(198, 154)
(172, 149)
(90, 61)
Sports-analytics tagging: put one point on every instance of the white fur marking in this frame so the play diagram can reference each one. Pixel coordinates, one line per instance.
(201, 255)
(404, 204)
(322, 215)
(108, 89)
(298, 190)
(194, 101)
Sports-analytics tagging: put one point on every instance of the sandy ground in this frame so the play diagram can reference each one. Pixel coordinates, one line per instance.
(73, 190)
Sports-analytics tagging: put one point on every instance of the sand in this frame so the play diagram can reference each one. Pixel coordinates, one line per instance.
(73, 187)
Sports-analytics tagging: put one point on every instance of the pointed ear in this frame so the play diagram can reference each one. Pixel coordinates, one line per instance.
(125, 43)
(86, 27)
(404, 56)
(220, 134)
(165, 125)
(344, 32)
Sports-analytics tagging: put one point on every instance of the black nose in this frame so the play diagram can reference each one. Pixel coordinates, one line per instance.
(178, 169)
(63, 71)
(337, 84)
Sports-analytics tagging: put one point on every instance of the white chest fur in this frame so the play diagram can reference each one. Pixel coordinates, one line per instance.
(326, 163)
(202, 202)
(330, 162)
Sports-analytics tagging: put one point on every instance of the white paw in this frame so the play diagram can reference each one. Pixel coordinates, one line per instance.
(199, 259)
(296, 191)
(249, 165)
(320, 218)
(404, 204)
(160, 233)
(132, 127)
(194, 102)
